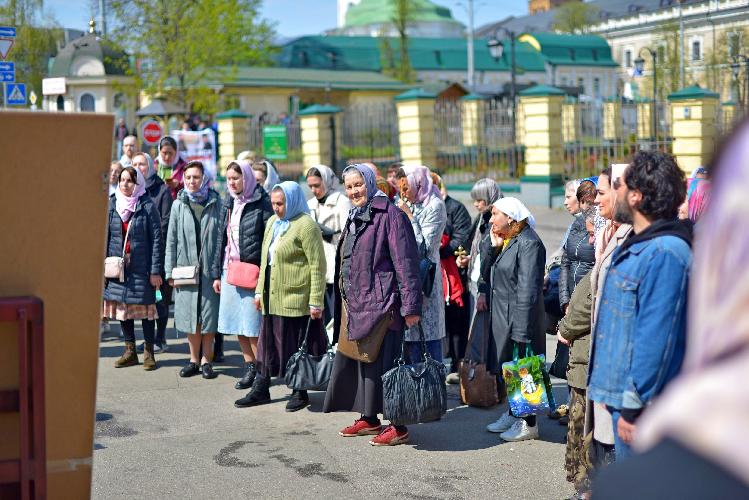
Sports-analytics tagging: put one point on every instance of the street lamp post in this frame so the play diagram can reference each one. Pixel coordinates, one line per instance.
(736, 67)
(496, 49)
(639, 66)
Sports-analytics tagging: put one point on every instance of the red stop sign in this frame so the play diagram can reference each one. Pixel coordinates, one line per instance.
(151, 132)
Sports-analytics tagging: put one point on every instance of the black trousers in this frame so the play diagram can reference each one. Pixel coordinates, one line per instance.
(128, 330)
(457, 325)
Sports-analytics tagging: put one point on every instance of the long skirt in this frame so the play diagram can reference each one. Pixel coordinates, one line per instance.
(281, 336)
(357, 386)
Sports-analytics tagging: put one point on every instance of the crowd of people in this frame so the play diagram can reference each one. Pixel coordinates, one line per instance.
(388, 260)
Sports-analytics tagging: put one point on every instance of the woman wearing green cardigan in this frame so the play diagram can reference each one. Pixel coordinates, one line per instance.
(289, 292)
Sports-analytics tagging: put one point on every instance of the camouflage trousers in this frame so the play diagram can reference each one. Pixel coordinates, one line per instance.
(576, 460)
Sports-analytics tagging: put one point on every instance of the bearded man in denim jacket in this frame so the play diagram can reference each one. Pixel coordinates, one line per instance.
(640, 334)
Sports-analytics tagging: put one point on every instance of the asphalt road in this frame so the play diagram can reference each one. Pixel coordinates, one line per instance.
(161, 436)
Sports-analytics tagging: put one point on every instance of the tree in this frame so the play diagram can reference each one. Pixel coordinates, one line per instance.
(35, 43)
(187, 48)
(575, 17)
(402, 16)
(719, 74)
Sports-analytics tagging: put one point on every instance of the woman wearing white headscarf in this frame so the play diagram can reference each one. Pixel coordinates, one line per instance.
(511, 287)
(134, 233)
(329, 208)
(265, 174)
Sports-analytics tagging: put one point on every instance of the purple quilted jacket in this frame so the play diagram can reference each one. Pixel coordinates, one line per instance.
(384, 271)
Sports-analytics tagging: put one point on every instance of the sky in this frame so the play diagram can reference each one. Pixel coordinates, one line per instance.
(307, 16)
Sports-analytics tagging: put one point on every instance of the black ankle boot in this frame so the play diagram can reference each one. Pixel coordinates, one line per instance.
(259, 395)
(248, 378)
(297, 401)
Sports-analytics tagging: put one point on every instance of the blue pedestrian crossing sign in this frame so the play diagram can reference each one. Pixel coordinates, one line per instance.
(15, 94)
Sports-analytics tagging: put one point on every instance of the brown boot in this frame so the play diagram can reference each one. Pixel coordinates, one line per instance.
(149, 362)
(128, 358)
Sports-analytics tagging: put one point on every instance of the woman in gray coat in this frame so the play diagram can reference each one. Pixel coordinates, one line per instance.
(193, 240)
(422, 202)
(511, 288)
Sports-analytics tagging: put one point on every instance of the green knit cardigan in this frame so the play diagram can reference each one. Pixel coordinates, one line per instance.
(297, 275)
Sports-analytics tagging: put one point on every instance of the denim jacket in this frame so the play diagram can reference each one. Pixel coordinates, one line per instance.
(641, 329)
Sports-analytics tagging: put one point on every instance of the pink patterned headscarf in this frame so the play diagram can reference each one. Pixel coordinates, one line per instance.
(420, 181)
(125, 205)
(699, 199)
(706, 407)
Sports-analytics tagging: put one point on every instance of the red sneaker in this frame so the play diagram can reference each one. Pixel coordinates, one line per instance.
(361, 428)
(390, 437)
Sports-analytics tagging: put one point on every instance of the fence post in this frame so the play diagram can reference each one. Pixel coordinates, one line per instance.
(570, 120)
(542, 109)
(416, 127)
(693, 113)
(233, 136)
(645, 119)
(612, 119)
(472, 118)
(317, 135)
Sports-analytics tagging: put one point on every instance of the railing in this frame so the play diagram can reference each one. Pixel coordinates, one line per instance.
(469, 147)
(292, 165)
(369, 133)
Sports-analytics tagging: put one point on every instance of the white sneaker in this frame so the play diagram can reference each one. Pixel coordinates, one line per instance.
(520, 431)
(502, 424)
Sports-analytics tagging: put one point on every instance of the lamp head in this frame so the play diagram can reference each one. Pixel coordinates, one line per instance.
(496, 48)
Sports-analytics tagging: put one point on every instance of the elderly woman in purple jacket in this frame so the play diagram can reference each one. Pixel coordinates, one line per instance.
(377, 276)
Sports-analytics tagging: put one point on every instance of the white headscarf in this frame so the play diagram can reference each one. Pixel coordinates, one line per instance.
(514, 208)
(329, 180)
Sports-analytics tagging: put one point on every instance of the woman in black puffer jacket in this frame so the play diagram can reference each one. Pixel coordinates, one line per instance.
(135, 233)
(578, 255)
(244, 214)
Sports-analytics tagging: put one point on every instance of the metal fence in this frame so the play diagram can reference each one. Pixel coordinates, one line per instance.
(595, 137)
(369, 133)
(466, 152)
(291, 167)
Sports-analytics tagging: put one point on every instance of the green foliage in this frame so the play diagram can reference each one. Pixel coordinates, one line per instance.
(184, 48)
(575, 17)
(35, 43)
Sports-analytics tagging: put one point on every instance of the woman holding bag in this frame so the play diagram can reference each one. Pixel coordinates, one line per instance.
(135, 235)
(191, 247)
(244, 214)
(511, 288)
(289, 293)
(378, 293)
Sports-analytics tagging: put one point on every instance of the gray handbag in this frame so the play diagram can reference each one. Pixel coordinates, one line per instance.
(305, 372)
(415, 394)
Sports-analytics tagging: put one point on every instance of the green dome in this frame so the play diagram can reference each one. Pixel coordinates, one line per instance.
(383, 11)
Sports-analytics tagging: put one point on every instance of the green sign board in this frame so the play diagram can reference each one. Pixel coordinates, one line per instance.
(274, 142)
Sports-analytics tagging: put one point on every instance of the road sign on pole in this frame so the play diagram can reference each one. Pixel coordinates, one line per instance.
(15, 94)
(7, 72)
(151, 132)
(7, 31)
(5, 45)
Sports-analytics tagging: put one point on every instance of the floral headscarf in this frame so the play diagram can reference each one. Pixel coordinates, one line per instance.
(125, 205)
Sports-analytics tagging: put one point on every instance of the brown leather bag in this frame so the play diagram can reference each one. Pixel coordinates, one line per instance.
(367, 349)
(478, 387)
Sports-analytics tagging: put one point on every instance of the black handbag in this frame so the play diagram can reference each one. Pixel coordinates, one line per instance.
(427, 272)
(417, 393)
(561, 360)
(305, 372)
